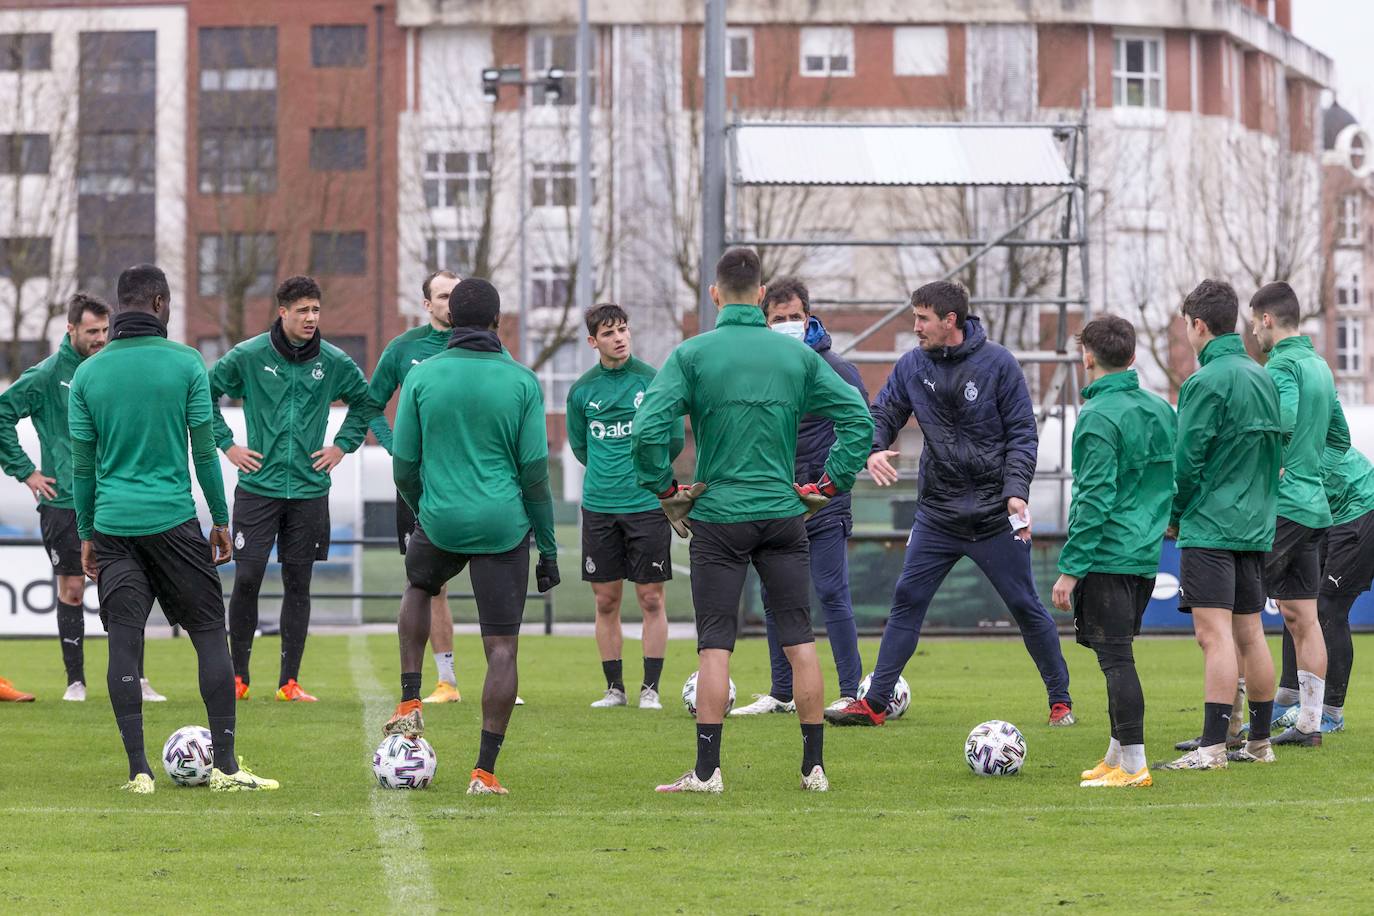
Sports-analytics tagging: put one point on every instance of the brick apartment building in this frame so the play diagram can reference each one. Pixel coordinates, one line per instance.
(1348, 252)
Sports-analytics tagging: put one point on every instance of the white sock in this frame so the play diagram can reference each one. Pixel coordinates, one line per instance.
(1311, 689)
(1113, 758)
(1287, 696)
(443, 661)
(1132, 758)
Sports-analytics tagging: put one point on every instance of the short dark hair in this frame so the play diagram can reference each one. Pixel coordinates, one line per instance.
(1279, 300)
(604, 314)
(1111, 340)
(783, 290)
(81, 303)
(738, 271)
(294, 289)
(943, 297)
(139, 285)
(448, 274)
(1214, 301)
(474, 303)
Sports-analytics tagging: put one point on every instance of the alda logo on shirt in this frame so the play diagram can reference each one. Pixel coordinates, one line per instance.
(601, 430)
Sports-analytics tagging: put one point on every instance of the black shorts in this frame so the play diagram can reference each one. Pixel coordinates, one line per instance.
(500, 581)
(299, 528)
(405, 523)
(1230, 579)
(60, 539)
(1108, 607)
(1349, 565)
(174, 567)
(1293, 569)
(721, 553)
(633, 545)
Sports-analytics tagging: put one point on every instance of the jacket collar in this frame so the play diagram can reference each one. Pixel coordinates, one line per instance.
(1300, 342)
(1225, 345)
(66, 352)
(134, 323)
(739, 313)
(974, 338)
(817, 337)
(1117, 381)
(479, 339)
(308, 351)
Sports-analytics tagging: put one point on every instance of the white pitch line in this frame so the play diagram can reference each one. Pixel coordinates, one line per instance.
(403, 852)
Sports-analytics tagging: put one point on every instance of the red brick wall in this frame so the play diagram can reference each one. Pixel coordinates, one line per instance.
(1062, 63)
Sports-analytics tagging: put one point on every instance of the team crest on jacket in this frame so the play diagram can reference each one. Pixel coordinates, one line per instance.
(970, 391)
(639, 399)
(318, 372)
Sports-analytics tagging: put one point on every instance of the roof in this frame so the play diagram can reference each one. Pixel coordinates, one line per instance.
(1334, 120)
(898, 154)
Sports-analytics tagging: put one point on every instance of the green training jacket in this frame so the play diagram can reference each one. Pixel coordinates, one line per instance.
(1230, 444)
(404, 353)
(471, 452)
(1314, 429)
(1350, 487)
(601, 411)
(1123, 479)
(746, 388)
(286, 406)
(41, 393)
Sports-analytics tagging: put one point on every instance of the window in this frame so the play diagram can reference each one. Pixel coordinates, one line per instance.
(1137, 78)
(1350, 345)
(1348, 290)
(211, 348)
(238, 59)
(354, 345)
(1351, 393)
(343, 253)
(827, 52)
(456, 179)
(341, 149)
(739, 52)
(237, 264)
(553, 184)
(238, 161)
(25, 154)
(456, 254)
(338, 45)
(25, 258)
(558, 50)
(25, 51)
(116, 163)
(560, 371)
(550, 287)
(1348, 219)
(118, 63)
(100, 258)
(920, 51)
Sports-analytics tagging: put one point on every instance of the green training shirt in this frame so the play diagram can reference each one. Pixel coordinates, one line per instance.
(1350, 487)
(41, 393)
(1314, 429)
(404, 353)
(601, 412)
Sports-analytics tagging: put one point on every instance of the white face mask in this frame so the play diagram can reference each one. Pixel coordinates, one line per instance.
(793, 329)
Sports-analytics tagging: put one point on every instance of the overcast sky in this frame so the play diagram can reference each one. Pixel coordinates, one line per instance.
(1344, 31)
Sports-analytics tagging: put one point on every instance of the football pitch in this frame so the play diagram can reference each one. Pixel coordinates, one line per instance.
(906, 827)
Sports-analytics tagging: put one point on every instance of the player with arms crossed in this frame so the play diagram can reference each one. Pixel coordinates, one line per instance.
(746, 389)
(41, 394)
(287, 379)
(1123, 489)
(1226, 470)
(970, 398)
(400, 356)
(1347, 573)
(1315, 438)
(625, 534)
(470, 457)
(129, 416)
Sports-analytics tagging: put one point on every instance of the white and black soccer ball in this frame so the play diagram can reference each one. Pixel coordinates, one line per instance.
(901, 696)
(188, 756)
(689, 695)
(995, 748)
(402, 762)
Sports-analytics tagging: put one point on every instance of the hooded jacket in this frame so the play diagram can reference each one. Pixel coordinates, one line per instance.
(816, 434)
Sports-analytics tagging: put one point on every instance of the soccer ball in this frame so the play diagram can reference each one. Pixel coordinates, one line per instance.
(901, 696)
(995, 748)
(402, 762)
(689, 695)
(188, 756)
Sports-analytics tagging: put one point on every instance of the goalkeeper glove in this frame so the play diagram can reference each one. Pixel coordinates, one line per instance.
(677, 504)
(546, 573)
(816, 495)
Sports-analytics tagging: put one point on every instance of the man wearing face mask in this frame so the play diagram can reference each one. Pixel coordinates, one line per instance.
(787, 309)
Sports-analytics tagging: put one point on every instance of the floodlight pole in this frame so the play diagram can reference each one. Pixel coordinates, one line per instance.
(713, 161)
(584, 161)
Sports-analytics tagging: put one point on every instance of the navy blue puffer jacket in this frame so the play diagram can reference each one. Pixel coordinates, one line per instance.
(975, 412)
(816, 434)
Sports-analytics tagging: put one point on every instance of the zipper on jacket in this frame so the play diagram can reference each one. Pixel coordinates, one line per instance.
(291, 425)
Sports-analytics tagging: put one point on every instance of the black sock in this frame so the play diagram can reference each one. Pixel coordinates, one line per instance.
(243, 612)
(1260, 716)
(708, 750)
(653, 670)
(615, 674)
(71, 629)
(131, 731)
(813, 743)
(126, 696)
(1216, 718)
(295, 618)
(488, 749)
(410, 685)
(217, 691)
(781, 696)
(875, 704)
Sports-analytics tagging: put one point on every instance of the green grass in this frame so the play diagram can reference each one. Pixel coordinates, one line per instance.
(906, 828)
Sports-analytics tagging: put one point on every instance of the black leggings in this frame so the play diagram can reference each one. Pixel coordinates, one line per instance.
(1125, 699)
(295, 615)
(1333, 612)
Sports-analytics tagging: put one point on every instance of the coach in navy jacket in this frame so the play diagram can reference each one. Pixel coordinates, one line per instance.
(970, 398)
